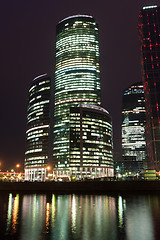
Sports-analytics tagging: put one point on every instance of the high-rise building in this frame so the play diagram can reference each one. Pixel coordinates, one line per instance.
(37, 133)
(149, 34)
(133, 127)
(77, 78)
(90, 141)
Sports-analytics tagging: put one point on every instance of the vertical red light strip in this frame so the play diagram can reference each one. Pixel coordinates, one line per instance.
(150, 76)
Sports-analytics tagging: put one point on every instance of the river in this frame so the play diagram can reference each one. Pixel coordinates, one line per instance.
(84, 217)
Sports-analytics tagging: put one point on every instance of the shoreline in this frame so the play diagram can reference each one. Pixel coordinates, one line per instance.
(83, 187)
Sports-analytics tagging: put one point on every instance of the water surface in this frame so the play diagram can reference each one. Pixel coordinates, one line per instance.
(86, 217)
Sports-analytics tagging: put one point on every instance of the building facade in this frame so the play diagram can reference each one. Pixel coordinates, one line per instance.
(133, 126)
(37, 133)
(90, 143)
(149, 35)
(77, 78)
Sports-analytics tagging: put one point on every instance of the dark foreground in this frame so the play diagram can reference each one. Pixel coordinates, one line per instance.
(83, 187)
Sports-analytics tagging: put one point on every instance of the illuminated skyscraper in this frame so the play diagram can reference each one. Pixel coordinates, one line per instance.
(90, 142)
(77, 78)
(133, 126)
(37, 134)
(149, 34)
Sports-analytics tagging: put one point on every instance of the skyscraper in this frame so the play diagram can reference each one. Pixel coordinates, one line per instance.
(77, 78)
(149, 34)
(37, 133)
(90, 141)
(133, 126)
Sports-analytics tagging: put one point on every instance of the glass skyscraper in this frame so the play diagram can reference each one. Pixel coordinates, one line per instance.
(149, 34)
(37, 133)
(77, 78)
(90, 141)
(133, 126)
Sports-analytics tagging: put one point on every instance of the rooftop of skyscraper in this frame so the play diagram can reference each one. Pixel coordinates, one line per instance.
(74, 16)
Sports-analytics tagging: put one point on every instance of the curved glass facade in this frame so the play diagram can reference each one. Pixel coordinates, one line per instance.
(37, 133)
(90, 142)
(77, 77)
(133, 126)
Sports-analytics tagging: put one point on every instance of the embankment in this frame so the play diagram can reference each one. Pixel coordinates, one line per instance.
(83, 187)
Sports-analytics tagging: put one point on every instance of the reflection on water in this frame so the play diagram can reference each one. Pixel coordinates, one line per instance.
(15, 212)
(33, 216)
(12, 214)
(9, 213)
(120, 211)
(67, 217)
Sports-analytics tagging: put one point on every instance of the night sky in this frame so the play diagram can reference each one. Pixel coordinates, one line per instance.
(27, 44)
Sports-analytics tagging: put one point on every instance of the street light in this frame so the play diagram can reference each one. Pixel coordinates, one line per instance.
(49, 175)
(48, 168)
(17, 166)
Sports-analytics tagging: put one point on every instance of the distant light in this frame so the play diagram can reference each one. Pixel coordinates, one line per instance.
(35, 128)
(79, 15)
(42, 75)
(84, 105)
(147, 7)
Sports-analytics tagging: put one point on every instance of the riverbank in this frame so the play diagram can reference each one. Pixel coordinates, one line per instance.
(82, 187)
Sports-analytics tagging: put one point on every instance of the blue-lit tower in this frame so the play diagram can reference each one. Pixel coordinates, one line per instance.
(133, 127)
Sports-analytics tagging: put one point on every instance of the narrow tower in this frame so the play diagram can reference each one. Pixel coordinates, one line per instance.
(149, 34)
(37, 134)
(133, 127)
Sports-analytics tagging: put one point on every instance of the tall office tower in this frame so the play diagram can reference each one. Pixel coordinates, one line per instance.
(149, 34)
(37, 134)
(77, 78)
(90, 142)
(133, 127)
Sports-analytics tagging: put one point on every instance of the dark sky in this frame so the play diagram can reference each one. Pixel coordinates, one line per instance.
(27, 49)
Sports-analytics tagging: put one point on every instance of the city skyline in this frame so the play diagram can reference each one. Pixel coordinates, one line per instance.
(29, 51)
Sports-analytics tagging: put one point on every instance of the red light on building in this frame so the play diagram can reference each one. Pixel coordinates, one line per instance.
(151, 76)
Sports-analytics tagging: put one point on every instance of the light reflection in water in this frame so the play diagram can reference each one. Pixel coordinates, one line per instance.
(61, 229)
(47, 216)
(33, 216)
(73, 213)
(9, 213)
(139, 223)
(15, 213)
(53, 209)
(12, 214)
(84, 217)
(120, 211)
